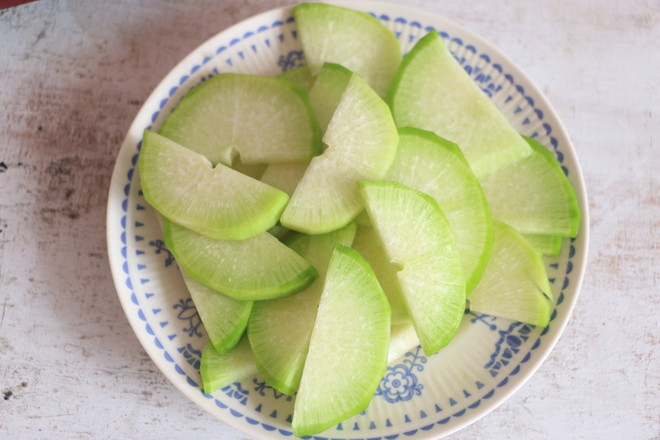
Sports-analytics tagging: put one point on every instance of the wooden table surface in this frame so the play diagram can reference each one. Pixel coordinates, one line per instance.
(73, 75)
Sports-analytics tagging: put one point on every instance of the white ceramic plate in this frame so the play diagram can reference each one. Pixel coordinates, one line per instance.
(419, 397)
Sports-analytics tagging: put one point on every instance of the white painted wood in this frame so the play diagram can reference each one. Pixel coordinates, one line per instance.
(73, 75)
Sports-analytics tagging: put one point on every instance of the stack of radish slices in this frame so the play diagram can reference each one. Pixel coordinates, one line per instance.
(330, 219)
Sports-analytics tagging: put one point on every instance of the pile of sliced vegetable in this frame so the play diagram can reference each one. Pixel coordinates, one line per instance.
(328, 220)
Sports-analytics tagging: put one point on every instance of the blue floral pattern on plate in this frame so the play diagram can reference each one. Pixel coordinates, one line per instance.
(400, 382)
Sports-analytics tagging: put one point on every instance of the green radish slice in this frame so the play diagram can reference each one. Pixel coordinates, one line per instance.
(435, 166)
(280, 329)
(348, 349)
(351, 38)
(224, 318)
(257, 118)
(219, 370)
(299, 76)
(324, 97)
(534, 195)
(258, 268)
(548, 245)
(431, 91)
(214, 201)
(367, 243)
(515, 285)
(419, 243)
(327, 90)
(284, 176)
(361, 143)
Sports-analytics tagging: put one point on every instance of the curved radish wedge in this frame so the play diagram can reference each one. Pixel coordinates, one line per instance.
(431, 91)
(348, 350)
(299, 76)
(351, 38)
(435, 166)
(224, 318)
(549, 245)
(361, 143)
(260, 119)
(214, 201)
(515, 284)
(280, 329)
(367, 243)
(219, 370)
(325, 94)
(534, 196)
(327, 90)
(429, 267)
(258, 268)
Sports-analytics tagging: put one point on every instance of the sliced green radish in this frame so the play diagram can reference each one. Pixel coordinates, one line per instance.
(324, 96)
(429, 267)
(534, 195)
(224, 318)
(515, 285)
(299, 76)
(433, 92)
(348, 350)
(549, 245)
(327, 90)
(214, 201)
(257, 118)
(280, 329)
(258, 268)
(284, 176)
(367, 243)
(435, 166)
(353, 39)
(361, 143)
(219, 370)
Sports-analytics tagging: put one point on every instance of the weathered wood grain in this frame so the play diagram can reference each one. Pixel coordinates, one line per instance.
(73, 75)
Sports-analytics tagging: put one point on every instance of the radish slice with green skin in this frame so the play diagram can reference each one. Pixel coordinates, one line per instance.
(548, 245)
(258, 268)
(219, 370)
(435, 166)
(534, 196)
(348, 349)
(327, 90)
(433, 92)
(280, 329)
(224, 318)
(367, 243)
(299, 76)
(325, 95)
(218, 202)
(429, 272)
(515, 284)
(351, 38)
(257, 118)
(361, 141)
